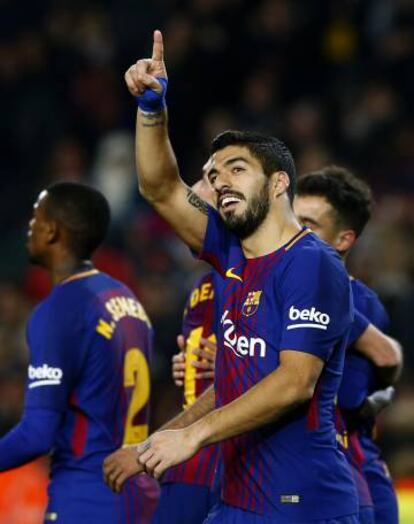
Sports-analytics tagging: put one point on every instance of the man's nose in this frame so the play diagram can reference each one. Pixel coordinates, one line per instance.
(222, 181)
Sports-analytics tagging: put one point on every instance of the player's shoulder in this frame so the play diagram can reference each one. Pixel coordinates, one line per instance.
(204, 278)
(310, 253)
(81, 293)
(202, 292)
(361, 289)
(368, 302)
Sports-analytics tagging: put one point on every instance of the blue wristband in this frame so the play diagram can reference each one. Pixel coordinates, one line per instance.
(151, 101)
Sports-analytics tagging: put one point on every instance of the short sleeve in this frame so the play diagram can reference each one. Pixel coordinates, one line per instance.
(316, 303)
(378, 315)
(357, 378)
(358, 326)
(220, 245)
(55, 344)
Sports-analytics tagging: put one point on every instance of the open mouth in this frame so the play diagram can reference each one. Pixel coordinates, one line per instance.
(228, 203)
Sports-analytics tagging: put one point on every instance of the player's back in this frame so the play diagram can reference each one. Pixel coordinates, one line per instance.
(90, 341)
(198, 321)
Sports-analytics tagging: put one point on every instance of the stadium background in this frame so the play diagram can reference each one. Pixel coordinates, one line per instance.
(334, 79)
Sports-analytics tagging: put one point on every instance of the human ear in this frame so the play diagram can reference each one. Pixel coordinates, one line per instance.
(280, 183)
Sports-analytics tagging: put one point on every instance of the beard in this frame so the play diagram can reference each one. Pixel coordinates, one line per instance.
(246, 224)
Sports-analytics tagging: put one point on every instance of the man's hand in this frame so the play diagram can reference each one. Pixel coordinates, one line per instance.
(120, 466)
(167, 448)
(143, 75)
(178, 363)
(207, 355)
(376, 402)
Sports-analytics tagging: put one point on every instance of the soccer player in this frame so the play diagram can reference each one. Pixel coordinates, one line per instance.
(88, 379)
(366, 339)
(285, 314)
(336, 205)
(187, 490)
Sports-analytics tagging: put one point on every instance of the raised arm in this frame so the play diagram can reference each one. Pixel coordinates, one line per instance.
(158, 176)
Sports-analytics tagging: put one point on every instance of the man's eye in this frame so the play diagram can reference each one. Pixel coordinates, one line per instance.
(237, 169)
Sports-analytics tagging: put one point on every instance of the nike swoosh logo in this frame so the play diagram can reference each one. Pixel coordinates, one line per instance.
(230, 274)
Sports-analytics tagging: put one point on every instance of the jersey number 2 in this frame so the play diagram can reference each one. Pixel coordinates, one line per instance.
(136, 375)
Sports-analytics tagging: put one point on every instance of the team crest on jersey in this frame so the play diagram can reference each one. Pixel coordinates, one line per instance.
(251, 304)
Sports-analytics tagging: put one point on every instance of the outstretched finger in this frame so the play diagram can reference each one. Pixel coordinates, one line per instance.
(158, 47)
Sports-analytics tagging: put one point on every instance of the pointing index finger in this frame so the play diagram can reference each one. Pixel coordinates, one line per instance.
(158, 47)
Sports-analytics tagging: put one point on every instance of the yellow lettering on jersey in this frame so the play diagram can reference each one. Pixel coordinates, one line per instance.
(192, 342)
(202, 293)
(136, 376)
(105, 329)
(120, 307)
(206, 292)
(194, 297)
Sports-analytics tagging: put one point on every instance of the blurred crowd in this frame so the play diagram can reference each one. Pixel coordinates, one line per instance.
(333, 79)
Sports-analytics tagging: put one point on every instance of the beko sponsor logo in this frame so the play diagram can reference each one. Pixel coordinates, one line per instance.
(44, 375)
(308, 318)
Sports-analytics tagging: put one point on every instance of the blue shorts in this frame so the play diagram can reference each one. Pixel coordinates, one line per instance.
(225, 514)
(184, 504)
(382, 492)
(87, 500)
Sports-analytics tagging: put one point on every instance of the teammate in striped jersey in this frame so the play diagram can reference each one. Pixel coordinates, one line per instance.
(187, 493)
(336, 205)
(88, 383)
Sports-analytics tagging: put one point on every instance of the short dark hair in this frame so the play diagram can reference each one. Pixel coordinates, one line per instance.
(271, 152)
(350, 197)
(83, 211)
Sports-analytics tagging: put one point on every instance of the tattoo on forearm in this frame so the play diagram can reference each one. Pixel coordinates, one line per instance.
(152, 119)
(197, 202)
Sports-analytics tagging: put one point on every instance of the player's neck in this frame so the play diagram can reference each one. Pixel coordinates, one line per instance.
(276, 230)
(66, 268)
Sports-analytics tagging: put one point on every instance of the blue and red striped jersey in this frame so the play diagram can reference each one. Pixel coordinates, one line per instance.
(198, 321)
(295, 298)
(90, 344)
(350, 446)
